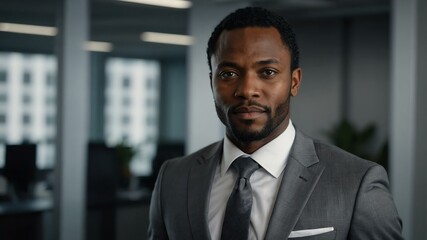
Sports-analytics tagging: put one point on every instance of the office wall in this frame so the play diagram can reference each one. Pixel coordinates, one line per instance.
(369, 75)
(319, 105)
(173, 100)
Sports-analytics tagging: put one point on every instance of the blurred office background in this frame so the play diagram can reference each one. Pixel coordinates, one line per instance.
(91, 103)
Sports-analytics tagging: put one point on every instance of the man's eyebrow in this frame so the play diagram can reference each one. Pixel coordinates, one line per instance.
(228, 64)
(235, 65)
(268, 61)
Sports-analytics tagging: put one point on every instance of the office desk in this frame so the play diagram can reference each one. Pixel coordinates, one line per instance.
(22, 220)
(115, 220)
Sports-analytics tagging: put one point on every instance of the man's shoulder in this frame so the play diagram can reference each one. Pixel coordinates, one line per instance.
(327, 153)
(199, 155)
(332, 155)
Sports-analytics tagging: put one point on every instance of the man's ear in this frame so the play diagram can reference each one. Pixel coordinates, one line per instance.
(210, 78)
(296, 81)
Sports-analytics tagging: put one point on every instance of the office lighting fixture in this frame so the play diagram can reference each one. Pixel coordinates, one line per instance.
(28, 29)
(163, 3)
(167, 38)
(98, 46)
(51, 32)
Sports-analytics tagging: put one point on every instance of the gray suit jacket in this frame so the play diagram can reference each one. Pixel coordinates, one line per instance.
(323, 186)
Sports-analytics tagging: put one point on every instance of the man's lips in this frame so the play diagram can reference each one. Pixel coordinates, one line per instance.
(248, 109)
(249, 112)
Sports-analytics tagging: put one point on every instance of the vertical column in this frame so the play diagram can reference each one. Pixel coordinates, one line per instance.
(420, 181)
(72, 124)
(408, 115)
(97, 93)
(203, 124)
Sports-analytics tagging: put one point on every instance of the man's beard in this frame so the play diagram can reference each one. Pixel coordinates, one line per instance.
(281, 112)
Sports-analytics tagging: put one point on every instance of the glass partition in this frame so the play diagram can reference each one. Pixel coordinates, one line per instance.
(131, 109)
(28, 104)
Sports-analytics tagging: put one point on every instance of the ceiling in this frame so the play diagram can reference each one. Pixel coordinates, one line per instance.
(121, 23)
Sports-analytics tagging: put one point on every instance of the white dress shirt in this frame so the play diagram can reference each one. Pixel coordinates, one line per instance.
(265, 183)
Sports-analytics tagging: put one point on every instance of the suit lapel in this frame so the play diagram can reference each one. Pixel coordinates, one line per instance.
(301, 175)
(199, 185)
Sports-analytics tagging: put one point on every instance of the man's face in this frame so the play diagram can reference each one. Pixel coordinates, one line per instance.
(252, 83)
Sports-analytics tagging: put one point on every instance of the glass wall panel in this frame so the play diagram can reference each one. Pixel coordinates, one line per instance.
(27, 104)
(131, 108)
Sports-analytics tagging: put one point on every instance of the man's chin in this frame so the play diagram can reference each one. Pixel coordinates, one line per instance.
(249, 131)
(249, 135)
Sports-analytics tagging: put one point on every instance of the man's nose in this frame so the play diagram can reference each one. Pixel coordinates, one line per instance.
(247, 87)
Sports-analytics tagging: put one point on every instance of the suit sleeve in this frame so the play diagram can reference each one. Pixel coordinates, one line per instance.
(375, 215)
(156, 227)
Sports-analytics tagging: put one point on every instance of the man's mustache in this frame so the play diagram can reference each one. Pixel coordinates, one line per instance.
(251, 106)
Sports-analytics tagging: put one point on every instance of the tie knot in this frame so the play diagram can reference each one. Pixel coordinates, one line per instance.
(245, 166)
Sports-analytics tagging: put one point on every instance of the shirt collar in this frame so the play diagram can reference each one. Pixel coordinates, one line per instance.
(272, 156)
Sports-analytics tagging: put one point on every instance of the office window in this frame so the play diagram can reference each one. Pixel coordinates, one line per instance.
(126, 101)
(151, 83)
(125, 120)
(26, 119)
(50, 100)
(2, 120)
(50, 140)
(27, 78)
(3, 76)
(26, 99)
(50, 120)
(3, 98)
(24, 90)
(151, 121)
(50, 79)
(131, 83)
(126, 82)
(26, 138)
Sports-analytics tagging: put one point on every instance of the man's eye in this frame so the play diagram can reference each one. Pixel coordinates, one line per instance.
(227, 74)
(269, 72)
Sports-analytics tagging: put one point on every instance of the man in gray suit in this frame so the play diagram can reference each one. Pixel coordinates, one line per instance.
(300, 188)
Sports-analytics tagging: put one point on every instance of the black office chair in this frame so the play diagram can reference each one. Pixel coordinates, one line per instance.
(20, 170)
(101, 187)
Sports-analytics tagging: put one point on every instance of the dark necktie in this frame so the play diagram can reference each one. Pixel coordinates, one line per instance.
(239, 206)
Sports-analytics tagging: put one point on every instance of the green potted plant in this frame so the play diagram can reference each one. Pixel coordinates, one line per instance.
(125, 154)
(346, 136)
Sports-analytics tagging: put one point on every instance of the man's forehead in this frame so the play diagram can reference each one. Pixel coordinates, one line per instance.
(265, 42)
(248, 34)
(269, 29)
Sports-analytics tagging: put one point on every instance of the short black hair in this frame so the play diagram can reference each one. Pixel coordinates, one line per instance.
(255, 17)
